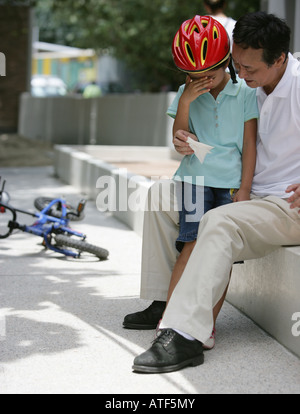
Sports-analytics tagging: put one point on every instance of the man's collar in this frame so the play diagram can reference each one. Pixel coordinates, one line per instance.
(282, 90)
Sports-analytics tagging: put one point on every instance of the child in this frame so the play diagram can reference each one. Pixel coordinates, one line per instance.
(217, 111)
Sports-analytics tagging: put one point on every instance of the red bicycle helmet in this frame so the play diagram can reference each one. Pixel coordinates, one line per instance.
(201, 44)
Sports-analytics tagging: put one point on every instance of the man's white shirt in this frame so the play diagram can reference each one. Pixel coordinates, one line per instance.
(278, 141)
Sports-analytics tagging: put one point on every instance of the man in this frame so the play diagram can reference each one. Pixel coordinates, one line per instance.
(239, 231)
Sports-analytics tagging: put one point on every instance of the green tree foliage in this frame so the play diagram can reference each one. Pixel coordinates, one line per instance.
(139, 32)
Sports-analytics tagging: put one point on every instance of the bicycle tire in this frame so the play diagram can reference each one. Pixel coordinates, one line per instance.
(81, 246)
(42, 202)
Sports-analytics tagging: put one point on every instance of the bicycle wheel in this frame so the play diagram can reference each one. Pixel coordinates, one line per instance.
(81, 246)
(42, 202)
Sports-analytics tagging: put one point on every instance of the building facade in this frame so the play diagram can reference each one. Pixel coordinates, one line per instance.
(14, 65)
(290, 11)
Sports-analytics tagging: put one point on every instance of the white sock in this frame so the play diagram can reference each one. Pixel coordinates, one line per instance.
(185, 335)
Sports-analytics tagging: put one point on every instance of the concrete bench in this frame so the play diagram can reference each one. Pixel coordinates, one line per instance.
(268, 291)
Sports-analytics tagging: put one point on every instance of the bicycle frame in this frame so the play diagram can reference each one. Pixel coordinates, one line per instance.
(44, 226)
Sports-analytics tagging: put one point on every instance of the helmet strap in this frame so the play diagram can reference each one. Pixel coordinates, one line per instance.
(232, 71)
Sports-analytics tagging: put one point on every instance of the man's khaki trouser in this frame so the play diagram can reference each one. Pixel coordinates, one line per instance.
(231, 233)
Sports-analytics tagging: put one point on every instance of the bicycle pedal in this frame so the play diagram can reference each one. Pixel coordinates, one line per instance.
(81, 206)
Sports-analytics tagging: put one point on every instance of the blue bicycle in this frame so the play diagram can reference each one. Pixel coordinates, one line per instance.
(51, 224)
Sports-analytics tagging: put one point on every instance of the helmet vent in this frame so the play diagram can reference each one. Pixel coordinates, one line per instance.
(215, 33)
(204, 50)
(195, 29)
(190, 54)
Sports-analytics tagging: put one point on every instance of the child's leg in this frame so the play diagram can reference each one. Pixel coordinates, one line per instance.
(219, 305)
(180, 266)
(192, 201)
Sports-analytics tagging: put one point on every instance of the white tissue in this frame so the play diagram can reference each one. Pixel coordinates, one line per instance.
(200, 150)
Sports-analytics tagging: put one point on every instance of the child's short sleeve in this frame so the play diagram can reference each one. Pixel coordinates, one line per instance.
(172, 110)
(251, 108)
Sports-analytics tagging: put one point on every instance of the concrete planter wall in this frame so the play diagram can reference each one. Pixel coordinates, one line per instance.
(129, 119)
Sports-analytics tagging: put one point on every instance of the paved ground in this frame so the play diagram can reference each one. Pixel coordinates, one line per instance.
(17, 151)
(61, 319)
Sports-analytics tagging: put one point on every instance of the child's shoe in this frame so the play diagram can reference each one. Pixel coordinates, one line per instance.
(210, 343)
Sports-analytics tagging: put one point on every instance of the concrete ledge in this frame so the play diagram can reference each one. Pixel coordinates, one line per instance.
(105, 182)
(266, 290)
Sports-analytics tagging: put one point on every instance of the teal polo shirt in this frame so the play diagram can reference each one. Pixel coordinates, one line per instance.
(219, 123)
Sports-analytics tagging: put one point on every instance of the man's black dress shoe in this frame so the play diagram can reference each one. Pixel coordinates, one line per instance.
(169, 352)
(147, 319)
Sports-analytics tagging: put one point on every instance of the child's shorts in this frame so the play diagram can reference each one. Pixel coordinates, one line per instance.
(195, 201)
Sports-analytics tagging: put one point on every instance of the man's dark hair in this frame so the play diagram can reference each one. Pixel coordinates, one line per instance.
(260, 30)
(215, 5)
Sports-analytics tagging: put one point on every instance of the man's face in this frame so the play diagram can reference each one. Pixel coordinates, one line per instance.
(251, 67)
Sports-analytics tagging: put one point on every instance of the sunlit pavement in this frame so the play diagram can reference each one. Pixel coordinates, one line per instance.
(61, 319)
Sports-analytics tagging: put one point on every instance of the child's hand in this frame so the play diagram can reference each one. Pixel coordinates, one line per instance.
(179, 141)
(195, 88)
(241, 195)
